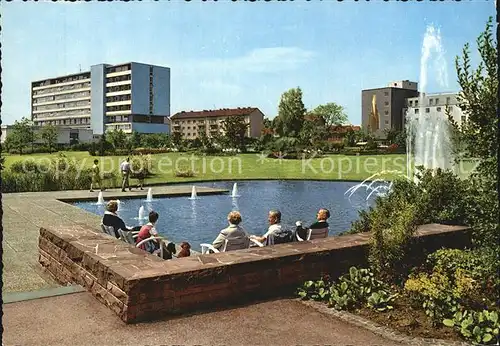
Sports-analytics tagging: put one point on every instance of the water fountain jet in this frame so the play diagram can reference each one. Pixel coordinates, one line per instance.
(149, 197)
(234, 193)
(194, 195)
(100, 199)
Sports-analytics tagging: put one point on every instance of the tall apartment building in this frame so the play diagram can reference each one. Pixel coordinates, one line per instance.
(437, 105)
(130, 97)
(384, 108)
(191, 124)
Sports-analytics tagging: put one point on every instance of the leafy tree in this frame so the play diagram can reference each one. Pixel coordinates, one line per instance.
(478, 98)
(290, 114)
(332, 113)
(155, 140)
(135, 139)
(177, 138)
(22, 134)
(49, 136)
(202, 136)
(235, 129)
(350, 138)
(268, 123)
(103, 145)
(313, 130)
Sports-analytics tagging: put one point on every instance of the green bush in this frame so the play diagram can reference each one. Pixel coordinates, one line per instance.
(60, 174)
(480, 327)
(392, 236)
(357, 288)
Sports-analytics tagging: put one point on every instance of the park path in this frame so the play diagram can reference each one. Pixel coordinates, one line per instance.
(88, 322)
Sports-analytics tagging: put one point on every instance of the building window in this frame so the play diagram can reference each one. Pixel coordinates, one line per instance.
(437, 102)
(386, 103)
(447, 100)
(430, 102)
(387, 122)
(438, 109)
(416, 110)
(410, 103)
(386, 112)
(416, 103)
(151, 105)
(427, 110)
(463, 119)
(386, 93)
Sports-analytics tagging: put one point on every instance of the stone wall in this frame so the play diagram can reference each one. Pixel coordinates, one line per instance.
(138, 286)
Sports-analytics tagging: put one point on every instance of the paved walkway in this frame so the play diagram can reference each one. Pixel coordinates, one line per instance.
(78, 319)
(25, 213)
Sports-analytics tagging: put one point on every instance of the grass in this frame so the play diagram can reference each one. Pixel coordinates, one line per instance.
(245, 166)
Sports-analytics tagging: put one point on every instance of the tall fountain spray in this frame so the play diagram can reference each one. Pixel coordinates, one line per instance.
(149, 197)
(141, 213)
(234, 193)
(119, 204)
(100, 198)
(428, 135)
(193, 193)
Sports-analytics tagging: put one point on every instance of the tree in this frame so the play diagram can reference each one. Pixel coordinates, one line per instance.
(135, 139)
(202, 136)
(235, 129)
(49, 136)
(155, 140)
(177, 138)
(313, 130)
(291, 113)
(478, 99)
(22, 134)
(350, 138)
(332, 113)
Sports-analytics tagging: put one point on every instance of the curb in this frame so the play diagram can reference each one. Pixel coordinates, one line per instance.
(375, 328)
(15, 297)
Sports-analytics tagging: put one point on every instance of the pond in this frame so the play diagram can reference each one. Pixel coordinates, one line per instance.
(200, 220)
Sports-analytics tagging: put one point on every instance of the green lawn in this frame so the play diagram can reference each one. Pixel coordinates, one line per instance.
(246, 166)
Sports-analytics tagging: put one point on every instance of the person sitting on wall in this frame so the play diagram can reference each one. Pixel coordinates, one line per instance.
(321, 217)
(147, 231)
(111, 219)
(275, 230)
(234, 230)
(185, 250)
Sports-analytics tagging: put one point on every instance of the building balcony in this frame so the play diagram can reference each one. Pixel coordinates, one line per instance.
(62, 92)
(119, 103)
(61, 109)
(126, 111)
(120, 73)
(61, 101)
(119, 93)
(123, 82)
(41, 118)
(61, 84)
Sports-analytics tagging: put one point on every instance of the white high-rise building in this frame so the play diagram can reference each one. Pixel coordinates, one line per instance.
(130, 97)
(436, 105)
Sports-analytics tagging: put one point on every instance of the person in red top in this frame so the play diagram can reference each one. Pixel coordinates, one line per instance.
(149, 230)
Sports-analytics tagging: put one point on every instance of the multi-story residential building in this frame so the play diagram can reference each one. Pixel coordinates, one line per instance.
(438, 104)
(190, 124)
(384, 108)
(130, 97)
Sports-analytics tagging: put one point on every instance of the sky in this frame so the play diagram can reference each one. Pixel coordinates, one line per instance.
(237, 54)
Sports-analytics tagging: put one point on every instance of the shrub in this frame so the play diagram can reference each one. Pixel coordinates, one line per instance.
(481, 327)
(434, 294)
(353, 290)
(184, 173)
(60, 174)
(391, 240)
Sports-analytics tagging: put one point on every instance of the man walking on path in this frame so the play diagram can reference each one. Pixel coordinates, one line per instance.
(96, 177)
(125, 169)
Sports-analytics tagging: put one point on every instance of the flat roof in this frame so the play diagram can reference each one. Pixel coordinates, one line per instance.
(63, 76)
(388, 87)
